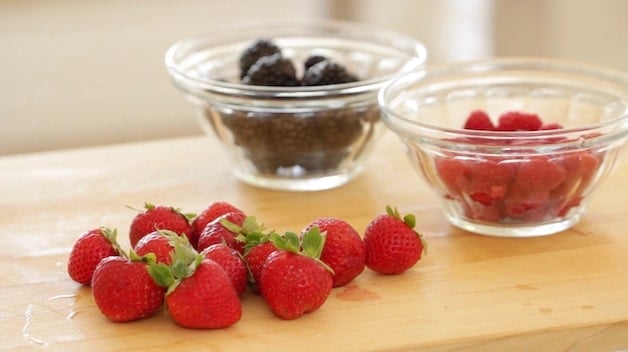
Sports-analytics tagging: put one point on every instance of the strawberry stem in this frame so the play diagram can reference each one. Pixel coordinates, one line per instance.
(313, 242)
(310, 245)
(184, 262)
(112, 236)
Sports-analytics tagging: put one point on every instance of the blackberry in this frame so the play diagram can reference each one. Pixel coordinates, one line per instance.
(272, 70)
(258, 49)
(313, 60)
(327, 72)
(315, 141)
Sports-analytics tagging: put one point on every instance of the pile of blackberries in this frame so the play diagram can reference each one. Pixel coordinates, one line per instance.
(262, 64)
(315, 140)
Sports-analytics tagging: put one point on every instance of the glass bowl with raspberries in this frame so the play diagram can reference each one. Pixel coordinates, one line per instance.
(293, 102)
(513, 147)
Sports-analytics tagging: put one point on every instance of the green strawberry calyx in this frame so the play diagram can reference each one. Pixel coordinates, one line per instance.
(111, 235)
(251, 233)
(150, 206)
(253, 239)
(185, 261)
(310, 244)
(410, 221)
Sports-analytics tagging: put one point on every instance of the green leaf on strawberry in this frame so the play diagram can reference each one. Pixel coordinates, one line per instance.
(289, 241)
(112, 236)
(162, 274)
(408, 219)
(313, 242)
(309, 245)
(185, 261)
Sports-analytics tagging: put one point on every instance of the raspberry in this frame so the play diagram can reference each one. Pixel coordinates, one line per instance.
(258, 49)
(519, 121)
(489, 181)
(271, 70)
(539, 175)
(579, 170)
(479, 120)
(327, 72)
(481, 212)
(551, 126)
(572, 203)
(581, 164)
(453, 173)
(524, 204)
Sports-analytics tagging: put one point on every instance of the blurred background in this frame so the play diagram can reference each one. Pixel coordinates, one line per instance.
(85, 72)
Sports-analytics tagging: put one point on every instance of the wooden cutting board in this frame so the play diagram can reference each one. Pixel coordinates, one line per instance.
(565, 292)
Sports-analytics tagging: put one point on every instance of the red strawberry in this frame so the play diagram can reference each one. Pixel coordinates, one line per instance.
(344, 250)
(232, 262)
(519, 121)
(91, 247)
(256, 257)
(200, 294)
(161, 243)
(124, 290)
(479, 120)
(392, 244)
(231, 228)
(294, 281)
(211, 213)
(159, 218)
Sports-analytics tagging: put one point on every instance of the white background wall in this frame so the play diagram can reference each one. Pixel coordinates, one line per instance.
(89, 72)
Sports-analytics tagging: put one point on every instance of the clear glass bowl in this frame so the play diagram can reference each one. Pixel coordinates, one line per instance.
(293, 138)
(514, 184)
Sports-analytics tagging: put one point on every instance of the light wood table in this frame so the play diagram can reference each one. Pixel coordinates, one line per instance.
(566, 292)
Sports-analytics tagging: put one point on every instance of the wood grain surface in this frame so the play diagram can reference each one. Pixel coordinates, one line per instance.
(565, 292)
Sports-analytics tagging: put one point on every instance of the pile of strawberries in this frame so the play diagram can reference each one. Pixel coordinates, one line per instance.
(511, 189)
(201, 265)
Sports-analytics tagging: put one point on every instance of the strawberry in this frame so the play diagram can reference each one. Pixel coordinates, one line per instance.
(91, 247)
(209, 214)
(159, 218)
(232, 262)
(256, 257)
(231, 228)
(161, 243)
(200, 294)
(479, 120)
(344, 250)
(123, 289)
(294, 281)
(392, 244)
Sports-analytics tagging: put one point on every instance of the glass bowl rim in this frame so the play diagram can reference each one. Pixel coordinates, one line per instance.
(417, 59)
(393, 119)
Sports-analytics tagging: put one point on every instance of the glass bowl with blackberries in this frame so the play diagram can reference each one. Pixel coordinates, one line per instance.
(512, 147)
(294, 103)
